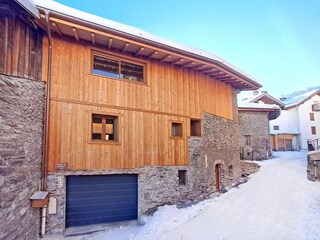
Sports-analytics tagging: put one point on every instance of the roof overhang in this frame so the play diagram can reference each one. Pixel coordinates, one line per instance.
(292, 105)
(273, 113)
(29, 6)
(110, 38)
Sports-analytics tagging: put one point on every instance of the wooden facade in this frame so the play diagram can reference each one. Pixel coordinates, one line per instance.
(20, 44)
(145, 110)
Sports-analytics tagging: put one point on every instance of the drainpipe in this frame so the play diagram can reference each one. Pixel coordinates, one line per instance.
(44, 180)
(47, 110)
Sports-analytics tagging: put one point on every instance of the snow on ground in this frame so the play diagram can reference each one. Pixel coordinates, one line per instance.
(278, 202)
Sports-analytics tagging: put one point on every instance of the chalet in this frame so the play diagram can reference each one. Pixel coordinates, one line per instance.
(132, 121)
(254, 129)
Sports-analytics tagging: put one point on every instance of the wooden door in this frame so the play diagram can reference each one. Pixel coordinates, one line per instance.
(217, 171)
(288, 143)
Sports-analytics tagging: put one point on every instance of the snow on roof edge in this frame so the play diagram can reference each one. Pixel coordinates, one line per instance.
(258, 106)
(77, 14)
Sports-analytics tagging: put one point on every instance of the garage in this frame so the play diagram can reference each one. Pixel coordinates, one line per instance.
(101, 199)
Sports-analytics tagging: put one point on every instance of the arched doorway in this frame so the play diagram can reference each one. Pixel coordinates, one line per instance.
(218, 177)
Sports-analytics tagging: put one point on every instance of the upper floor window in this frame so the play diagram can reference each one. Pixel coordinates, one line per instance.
(104, 127)
(313, 130)
(113, 67)
(176, 129)
(311, 116)
(276, 128)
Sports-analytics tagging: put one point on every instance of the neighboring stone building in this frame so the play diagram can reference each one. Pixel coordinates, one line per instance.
(254, 129)
(21, 119)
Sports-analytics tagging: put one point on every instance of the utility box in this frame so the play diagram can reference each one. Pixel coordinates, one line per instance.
(39, 199)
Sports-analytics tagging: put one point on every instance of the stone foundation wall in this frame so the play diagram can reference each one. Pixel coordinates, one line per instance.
(313, 167)
(255, 124)
(159, 185)
(21, 125)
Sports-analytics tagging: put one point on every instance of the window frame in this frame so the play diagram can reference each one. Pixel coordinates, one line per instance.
(118, 57)
(170, 129)
(311, 117)
(102, 141)
(198, 121)
(276, 127)
(182, 177)
(313, 130)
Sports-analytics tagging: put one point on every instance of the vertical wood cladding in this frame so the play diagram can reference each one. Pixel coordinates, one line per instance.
(20, 48)
(145, 111)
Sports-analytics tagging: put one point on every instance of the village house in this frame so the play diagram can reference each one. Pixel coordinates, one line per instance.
(254, 129)
(131, 121)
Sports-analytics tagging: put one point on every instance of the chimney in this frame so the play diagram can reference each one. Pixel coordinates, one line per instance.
(255, 93)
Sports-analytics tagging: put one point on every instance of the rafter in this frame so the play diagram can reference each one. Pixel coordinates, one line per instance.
(75, 33)
(141, 49)
(57, 28)
(125, 48)
(165, 58)
(179, 60)
(93, 39)
(110, 42)
(152, 55)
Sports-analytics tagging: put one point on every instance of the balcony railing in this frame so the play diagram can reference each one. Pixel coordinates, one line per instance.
(314, 145)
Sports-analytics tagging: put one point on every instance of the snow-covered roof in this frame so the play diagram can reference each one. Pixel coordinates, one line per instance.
(29, 6)
(58, 8)
(260, 105)
(263, 94)
(299, 97)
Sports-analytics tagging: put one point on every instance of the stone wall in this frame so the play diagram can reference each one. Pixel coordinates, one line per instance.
(249, 168)
(313, 167)
(21, 125)
(159, 185)
(255, 124)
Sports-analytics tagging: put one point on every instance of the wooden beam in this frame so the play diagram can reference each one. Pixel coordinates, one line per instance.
(165, 58)
(125, 48)
(57, 28)
(179, 60)
(197, 68)
(93, 39)
(141, 49)
(188, 64)
(212, 70)
(110, 42)
(75, 33)
(152, 55)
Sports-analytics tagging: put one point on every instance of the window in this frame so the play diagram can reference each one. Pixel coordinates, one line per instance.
(118, 68)
(313, 130)
(276, 128)
(104, 127)
(195, 127)
(248, 139)
(182, 175)
(311, 116)
(176, 129)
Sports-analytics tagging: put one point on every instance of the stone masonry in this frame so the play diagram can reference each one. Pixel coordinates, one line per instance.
(21, 124)
(159, 185)
(255, 125)
(313, 167)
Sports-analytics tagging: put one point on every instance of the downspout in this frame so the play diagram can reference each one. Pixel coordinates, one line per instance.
(46, 127)
(47, 110)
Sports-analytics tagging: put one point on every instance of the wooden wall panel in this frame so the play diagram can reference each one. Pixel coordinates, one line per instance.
(20, 48)
(170, 93)
(144, 139)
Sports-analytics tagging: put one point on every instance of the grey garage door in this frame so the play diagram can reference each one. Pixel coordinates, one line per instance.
(101, 199)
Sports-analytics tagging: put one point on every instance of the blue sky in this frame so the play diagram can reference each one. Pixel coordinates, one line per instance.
(275, 41)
